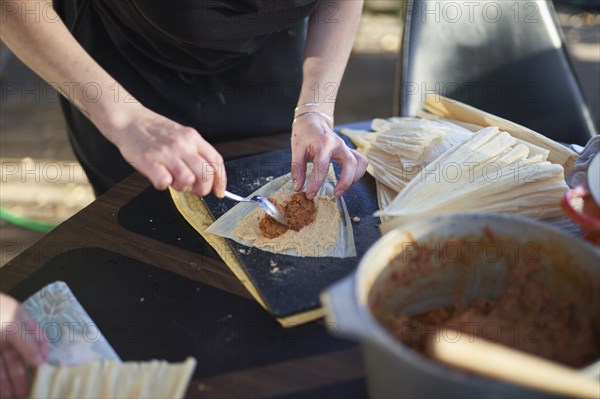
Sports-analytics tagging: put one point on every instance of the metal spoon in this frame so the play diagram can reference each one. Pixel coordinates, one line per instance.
(264, 203)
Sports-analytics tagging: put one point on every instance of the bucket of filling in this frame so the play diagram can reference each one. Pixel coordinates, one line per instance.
(506, 279)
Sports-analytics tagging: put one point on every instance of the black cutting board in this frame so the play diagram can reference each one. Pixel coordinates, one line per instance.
(299, 281)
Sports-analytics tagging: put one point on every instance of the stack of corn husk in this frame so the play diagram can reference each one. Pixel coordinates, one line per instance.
(437, 106)
(433, 166)
(398, 148)
(490, 172)
(114, 379)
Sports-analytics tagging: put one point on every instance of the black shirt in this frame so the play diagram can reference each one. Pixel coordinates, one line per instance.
(196, 36)
(229, 69)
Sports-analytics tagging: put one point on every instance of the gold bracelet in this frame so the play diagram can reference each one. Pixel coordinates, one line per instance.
(329, 118)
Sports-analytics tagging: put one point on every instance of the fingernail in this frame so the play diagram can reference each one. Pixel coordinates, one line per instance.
(310, 196)
(339, 193)
(297, 185)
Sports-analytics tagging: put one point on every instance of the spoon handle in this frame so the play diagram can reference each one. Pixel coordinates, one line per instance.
(236, 197)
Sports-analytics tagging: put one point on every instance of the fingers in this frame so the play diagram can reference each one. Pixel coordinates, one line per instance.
(13, 374)
(6, 389)
(33, 353)
(361, 166)
(28, 349)
(319, 173)
(349, 164)
(216, 167)
(184, 161)
(159, 175)
(209, 169)
(183, 176)
(203, 174)
(354, 166)
(220, 183)
(328, 148)
(298, 170)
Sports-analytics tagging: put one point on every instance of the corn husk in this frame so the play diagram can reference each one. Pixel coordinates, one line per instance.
(398, 148)
(385, 195)
(113, 379)
(490, 172)
(447, 108)
(342, 247)
(473, 128)
(533, 148)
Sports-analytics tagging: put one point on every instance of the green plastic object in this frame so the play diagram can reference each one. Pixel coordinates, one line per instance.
(24, 222)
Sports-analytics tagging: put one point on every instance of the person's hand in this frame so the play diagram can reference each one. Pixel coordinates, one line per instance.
(314, 140)
(23, 348)
(167, 153)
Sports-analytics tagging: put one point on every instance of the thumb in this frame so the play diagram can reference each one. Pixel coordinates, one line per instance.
(298, 170)
(31, 345)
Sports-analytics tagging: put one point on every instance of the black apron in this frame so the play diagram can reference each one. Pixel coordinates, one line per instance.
(230, 69)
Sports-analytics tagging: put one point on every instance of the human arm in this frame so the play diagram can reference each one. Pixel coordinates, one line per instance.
(331, 33)
(166, 152)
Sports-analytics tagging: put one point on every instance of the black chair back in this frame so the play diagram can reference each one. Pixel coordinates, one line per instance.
(504, 57)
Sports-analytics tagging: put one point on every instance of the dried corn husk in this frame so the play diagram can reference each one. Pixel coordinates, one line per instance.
(490, 172)
(398, 148)
(469, 126)
(340, 245)
(113, 379)
(533, 148)
(385, 195)
(447, 108)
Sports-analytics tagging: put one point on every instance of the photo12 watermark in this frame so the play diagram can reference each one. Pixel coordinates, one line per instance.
(491, 12)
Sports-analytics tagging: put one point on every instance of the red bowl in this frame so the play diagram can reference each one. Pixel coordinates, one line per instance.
(589, 219)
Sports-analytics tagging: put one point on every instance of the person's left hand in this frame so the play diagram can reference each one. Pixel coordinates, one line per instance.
(314, 140)
(23, 348)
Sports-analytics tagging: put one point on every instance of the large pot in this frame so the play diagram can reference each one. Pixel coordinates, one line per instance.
(395, 371)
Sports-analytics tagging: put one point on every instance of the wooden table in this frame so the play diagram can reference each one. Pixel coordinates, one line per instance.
(113, 272)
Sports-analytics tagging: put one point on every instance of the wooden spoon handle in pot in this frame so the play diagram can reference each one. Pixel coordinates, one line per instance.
(498, 361)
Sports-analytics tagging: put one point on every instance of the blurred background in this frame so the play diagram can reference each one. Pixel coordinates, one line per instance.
(43, 185)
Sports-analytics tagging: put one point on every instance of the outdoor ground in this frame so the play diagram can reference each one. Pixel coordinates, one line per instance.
(40, 178)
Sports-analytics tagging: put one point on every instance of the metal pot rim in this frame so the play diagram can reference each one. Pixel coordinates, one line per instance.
(370, 268)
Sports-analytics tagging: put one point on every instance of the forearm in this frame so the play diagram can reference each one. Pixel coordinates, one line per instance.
(168, 153)
(44, 44)
(331, 33)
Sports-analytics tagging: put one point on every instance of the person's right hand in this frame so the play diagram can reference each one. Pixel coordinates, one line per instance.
(167, 153)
